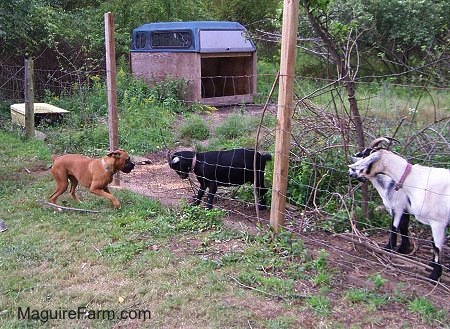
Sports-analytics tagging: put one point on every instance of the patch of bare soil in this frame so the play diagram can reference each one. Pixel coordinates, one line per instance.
(153, 177)
(352, 262)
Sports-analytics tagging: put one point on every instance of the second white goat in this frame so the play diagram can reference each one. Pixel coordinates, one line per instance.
(395, 202)
(427, 188)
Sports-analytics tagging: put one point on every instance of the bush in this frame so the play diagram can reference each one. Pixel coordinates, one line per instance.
(144, 117)
(194, 128)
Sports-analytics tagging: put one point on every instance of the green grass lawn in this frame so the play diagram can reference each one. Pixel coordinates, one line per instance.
(165, 268)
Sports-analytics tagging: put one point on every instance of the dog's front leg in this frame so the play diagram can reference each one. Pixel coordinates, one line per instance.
(104, 192)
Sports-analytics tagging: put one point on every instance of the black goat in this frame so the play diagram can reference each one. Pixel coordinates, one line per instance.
(222, 168)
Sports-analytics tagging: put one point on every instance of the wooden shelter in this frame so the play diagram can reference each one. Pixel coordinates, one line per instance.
(215, 58)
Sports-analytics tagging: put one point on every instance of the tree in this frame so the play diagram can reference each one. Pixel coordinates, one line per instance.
(410, 37)
(395, 39)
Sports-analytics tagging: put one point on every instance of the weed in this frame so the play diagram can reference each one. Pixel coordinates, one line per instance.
(170, 93)
(198, 219)
(281, 322)
(194, 128)
(377, 280)
(145, 117)
(321, 278)
(370, 298)
(425, 308)
(234, 126)
(123, 251)
(319, 304)
(357, 295)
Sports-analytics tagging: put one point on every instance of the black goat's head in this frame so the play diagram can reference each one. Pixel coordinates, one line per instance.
(181, 162)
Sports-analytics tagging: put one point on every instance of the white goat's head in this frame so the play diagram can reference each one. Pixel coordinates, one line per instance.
(363, 168)
(377, 144)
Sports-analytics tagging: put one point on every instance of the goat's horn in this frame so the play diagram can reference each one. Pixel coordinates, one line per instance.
(379, 140)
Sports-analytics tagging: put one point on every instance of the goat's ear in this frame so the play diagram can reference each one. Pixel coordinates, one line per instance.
(362, 163)
(355, 159)
(175, 160)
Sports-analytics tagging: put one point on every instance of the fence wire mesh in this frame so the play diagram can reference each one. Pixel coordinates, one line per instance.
(323, 203)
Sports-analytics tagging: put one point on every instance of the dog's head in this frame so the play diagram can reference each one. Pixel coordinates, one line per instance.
(121, 161)
(181, 162)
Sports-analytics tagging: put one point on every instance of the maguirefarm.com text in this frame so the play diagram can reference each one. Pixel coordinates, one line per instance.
(81, 313)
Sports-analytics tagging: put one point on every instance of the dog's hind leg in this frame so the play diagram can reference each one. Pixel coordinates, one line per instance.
(61, 187)
(73, 186)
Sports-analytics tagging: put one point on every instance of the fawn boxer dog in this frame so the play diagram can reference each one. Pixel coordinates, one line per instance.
(95, 174)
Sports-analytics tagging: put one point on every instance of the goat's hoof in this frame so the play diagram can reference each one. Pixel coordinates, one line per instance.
(404, 249)
(388, 248)
(437, 271)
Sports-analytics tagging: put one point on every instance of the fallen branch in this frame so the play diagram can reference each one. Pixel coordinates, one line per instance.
(385, 252)
(266, 293)
(62, 208)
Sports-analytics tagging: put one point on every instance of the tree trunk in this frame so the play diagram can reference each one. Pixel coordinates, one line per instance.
(345, 73)
(357, 122)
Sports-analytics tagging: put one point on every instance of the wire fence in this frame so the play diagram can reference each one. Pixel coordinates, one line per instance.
(320, 193)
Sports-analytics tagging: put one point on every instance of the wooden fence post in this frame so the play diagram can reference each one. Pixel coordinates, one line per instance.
(29, 98)
(284, 113)
(113, 121)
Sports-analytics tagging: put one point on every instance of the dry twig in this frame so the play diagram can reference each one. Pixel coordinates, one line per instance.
(62, 208)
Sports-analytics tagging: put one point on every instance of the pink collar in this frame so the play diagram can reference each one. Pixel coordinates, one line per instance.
(399, 185)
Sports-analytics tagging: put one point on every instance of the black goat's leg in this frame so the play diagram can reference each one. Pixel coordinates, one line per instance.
(200, 193)
(261, 190)
(403, 229)
(212, 189)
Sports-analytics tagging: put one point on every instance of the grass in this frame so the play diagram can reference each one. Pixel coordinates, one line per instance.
(181, 264)
(176, 263)
(194, 127)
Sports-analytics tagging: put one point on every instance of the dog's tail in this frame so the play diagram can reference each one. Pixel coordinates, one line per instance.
(54, 156)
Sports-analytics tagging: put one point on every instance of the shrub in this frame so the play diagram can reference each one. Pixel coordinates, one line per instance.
(194, 128)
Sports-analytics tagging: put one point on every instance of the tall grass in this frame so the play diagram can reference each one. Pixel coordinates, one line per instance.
(146, 115)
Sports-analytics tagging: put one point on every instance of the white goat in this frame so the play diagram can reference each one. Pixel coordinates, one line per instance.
(427, 188)
(395, 202)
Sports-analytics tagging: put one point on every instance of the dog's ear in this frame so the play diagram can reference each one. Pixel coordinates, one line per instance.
(115, 154)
